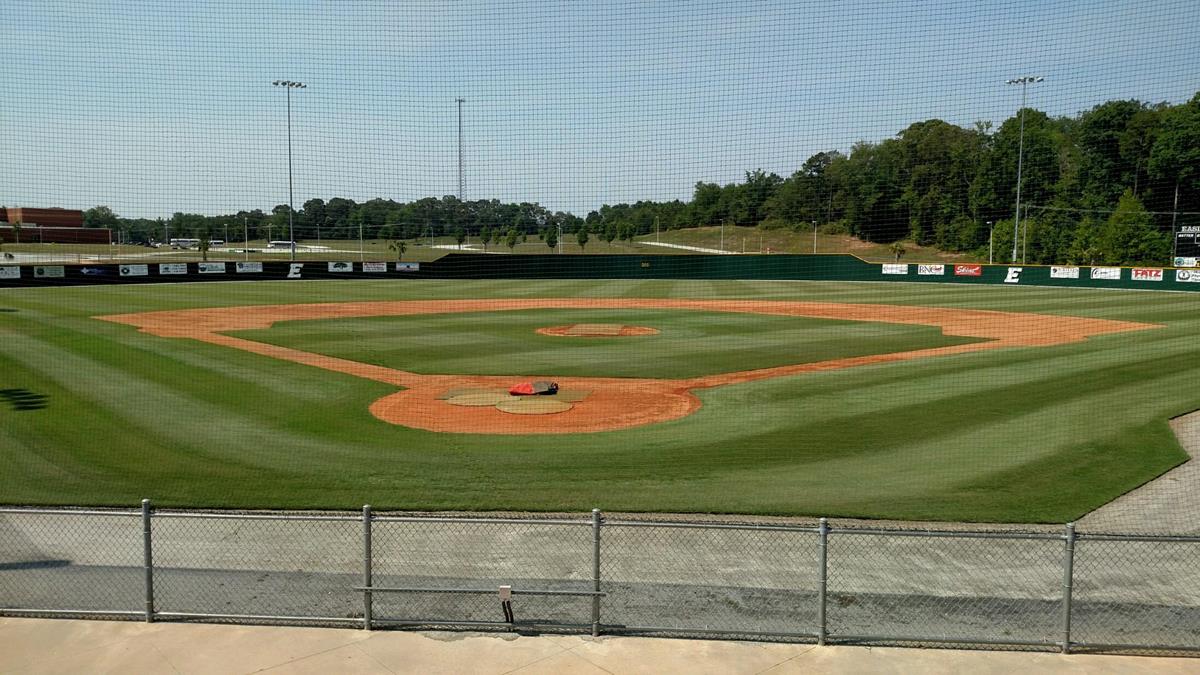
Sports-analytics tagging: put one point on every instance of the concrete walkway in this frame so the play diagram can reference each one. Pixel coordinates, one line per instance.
(70, 646)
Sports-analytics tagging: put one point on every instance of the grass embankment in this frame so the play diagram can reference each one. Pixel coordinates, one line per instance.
(1022, 434)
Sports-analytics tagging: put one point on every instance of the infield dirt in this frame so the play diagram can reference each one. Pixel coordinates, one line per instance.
(614, 403)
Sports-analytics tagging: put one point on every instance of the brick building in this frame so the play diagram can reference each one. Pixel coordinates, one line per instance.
(58, 226)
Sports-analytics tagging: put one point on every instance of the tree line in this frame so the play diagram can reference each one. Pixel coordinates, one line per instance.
(1106, 186)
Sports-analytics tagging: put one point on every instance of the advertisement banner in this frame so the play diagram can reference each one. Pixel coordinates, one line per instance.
(968, 270)
(931, 270)
(248, 267)
(1186, 262)
(889, 268)
(1014, 275)
(10, 272)
(374, 267)
(211, 267)
(135, 270)
(408, 267)
(1106, 273)
(50, 271)
(341, 267)
(295, 270)
(1064, 272)
(1188, 276)
(172, 268)
(1143, 274)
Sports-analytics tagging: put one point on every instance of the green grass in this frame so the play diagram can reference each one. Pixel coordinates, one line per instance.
(1021, 434)
(689, 344)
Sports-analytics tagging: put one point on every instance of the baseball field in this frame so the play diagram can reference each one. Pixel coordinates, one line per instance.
(904, 401)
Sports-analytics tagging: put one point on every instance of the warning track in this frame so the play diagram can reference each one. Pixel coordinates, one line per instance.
(614, 403)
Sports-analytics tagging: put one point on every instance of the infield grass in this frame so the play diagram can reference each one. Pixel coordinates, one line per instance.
(1017, 434)
(689, 344)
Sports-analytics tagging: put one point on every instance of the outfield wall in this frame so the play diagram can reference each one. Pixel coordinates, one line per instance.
(836, 267)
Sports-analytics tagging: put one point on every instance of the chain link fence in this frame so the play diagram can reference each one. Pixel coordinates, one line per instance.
(812, 582)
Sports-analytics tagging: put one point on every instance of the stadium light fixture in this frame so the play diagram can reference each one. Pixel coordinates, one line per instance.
(289, 85)
(1024, 82)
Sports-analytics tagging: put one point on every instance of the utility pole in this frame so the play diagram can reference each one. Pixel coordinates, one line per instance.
(1174, 215)
(1024, 82)
(289, 86)
(460, 148)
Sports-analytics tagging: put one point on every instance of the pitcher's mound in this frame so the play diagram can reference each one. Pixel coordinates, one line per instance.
(597, 330)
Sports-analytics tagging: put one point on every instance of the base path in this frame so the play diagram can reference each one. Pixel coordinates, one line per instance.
(614, 403)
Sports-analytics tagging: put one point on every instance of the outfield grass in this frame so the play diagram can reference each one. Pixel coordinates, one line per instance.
(690, 343)
(1022, 434)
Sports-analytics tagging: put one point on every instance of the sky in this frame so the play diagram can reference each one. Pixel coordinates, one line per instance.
(155, 107)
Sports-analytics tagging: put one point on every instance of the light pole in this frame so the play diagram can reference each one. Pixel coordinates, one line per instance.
(460, 101)
(1024, 82)
(814, 236)
(991, 231)
(289, 86)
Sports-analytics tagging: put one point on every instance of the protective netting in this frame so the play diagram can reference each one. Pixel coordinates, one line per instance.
(623, 200)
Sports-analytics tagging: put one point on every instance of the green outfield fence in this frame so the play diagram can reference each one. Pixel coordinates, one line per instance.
(481, 266)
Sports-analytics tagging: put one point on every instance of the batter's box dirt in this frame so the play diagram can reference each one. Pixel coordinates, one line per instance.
(612, 403)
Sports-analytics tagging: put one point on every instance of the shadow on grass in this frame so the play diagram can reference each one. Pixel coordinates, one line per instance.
(23, 399)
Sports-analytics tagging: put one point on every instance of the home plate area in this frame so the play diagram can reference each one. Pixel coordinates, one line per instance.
(474, 397)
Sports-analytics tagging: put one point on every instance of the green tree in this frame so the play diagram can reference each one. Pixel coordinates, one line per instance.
(512, 238)
(485, 237)
(1130, 237)
(399, 246)
(581, 237)
(100, 217)
(552, 238)
(460, 235)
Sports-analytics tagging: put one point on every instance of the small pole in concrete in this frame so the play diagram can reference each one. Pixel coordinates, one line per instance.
(148, 560)
(822, 580)
(1068, 576)
(596, 520)
(366, 515)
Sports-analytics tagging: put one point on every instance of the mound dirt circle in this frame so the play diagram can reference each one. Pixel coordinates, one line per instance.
(597, 330)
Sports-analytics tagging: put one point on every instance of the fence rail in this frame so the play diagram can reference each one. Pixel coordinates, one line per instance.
(1065, 590)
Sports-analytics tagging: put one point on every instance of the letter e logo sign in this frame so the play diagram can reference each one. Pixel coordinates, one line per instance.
(1014, 276)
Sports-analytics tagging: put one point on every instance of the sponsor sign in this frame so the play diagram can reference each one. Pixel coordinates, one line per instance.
(211, 267)
(931, 270)
(172, 268)
(1194, 229)
(135, 270)
(294, 270)
(968, 270)
(1185, 262)
(374, 267)
(50, 271)
(10, 272)
(890, 268)
(1064, 272)
(1143, 274)
(341, 267)
(1013, 276)
(248, 267)
(1188, 276)
(1106, 273)
(408, 267)
(93, 271)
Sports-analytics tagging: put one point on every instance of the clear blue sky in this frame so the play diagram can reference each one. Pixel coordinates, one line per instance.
(156, 107)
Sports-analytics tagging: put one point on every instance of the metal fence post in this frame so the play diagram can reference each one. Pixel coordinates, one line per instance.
(596, 520)
(823, 578)
(1068, 574)
(148, 560)
(366, 518)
